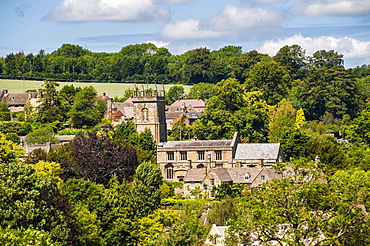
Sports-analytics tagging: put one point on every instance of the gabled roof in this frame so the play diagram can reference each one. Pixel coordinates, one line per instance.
(125, 108)
(193, 115)
(237, 174)
(197, 143)
(195, 103)
(232, 174)
(173, 115)
(222, 174)
(194, 175)
(16, 98)
(257, 151)
(129, 100)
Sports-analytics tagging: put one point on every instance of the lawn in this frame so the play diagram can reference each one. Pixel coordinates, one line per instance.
(111, 89)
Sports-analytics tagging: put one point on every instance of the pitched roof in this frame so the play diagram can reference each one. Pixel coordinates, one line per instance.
(193, 115)
(125, 108)
(232, 174)
(257, 151)
(129, 100)
(197, 143)
(222, 174)
(194, 175)
(196, 103)
(173, 115)
(16, 98)
(238, 174)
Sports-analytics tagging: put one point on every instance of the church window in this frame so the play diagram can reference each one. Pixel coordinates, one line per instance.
(170, 155)
(145, 114)
(218, 155)
(183, 155)
(201, 155)
(169, 171)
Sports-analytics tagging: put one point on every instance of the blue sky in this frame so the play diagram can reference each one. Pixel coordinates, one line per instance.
(182, 25)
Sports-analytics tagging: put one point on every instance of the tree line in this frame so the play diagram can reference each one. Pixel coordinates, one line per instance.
(150, 63)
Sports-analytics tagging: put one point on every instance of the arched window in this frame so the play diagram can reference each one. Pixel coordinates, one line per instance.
(145, 114)
(246, 176)
(169, 171)
(200, 166)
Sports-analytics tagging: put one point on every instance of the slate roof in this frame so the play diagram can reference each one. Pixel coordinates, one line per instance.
(16, 98)
(197, 143)
(125, 107)
(222, 174)
(173, 115)
(238, 173)
(193, 115)
(195, 103)
(194, 175)
(256, 151)
(232, 174)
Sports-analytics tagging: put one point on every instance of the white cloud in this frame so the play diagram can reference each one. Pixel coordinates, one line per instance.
(107, 10)
(265, 1)
(332, 8)
(158, 44)
(228, 23)
(233, 17)
(189, 29)
(174, 2)
(349, 47)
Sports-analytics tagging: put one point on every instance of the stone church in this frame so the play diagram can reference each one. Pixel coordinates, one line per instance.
(176, 158)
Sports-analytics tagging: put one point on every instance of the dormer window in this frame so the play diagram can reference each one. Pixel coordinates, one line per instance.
(246, 176)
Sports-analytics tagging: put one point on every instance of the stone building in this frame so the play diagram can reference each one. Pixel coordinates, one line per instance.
(204, 180)
(176, 158)
(149, 112)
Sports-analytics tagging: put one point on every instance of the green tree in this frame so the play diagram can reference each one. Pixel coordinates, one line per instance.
(49, 110)
(87, 110)
(358, 131)
(24, 202)
(201, 90)
(300, 119)
(180, 130)
(297, 210)
(126, 133)
(292, 58)
(25, 237)
(146, 187)
(4, 112)
(174, 93)
(329, 90)
(68, 94)
(146, 141)
(233, 110)
(9, 151)
(198, 66)
(271, 79)
(42, 136)
(243, 64)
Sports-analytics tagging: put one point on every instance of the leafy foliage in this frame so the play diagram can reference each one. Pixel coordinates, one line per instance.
(86, 110)
(98, 159)
(233, 110)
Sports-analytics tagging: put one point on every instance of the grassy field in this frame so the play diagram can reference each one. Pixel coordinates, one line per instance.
(111, 89)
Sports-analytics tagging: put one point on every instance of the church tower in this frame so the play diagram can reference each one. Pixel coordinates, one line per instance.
(149, 112)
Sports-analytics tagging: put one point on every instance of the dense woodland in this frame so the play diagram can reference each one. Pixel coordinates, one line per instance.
(104, 187)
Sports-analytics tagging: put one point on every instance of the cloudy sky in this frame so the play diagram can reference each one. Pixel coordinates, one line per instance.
(181, 25)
